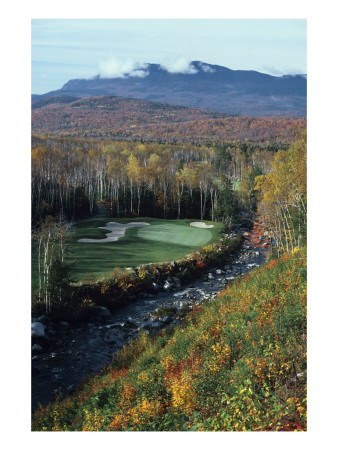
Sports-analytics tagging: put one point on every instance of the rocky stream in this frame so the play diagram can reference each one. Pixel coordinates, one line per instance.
(62, 355)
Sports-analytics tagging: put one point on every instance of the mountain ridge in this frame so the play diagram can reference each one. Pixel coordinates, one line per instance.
(210, 87)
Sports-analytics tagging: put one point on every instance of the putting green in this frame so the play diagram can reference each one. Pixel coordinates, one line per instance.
(175, 233)
(161, 241)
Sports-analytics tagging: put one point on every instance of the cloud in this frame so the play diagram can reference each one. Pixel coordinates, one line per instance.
(138, 73)
(271, 70)
(124, 68)
(280, 71)
(116, 68)
(206, 68)
(180, 65)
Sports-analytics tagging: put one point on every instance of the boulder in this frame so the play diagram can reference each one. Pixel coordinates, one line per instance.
(102, 311)
(38, 330)
(37, 348)
(43, 319)
(51, 332)
(168, 286)
(118, 325)
(113, 337)
(157, 325)
(130, 324)
(219, 272)
(150, 325)
(250, 266)
(181, 293)
(184, 303)
(166, 319)
(155, 287)
(177, 282)
(186, 274)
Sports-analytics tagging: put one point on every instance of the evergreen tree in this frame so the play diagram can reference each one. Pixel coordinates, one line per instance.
(226, 204)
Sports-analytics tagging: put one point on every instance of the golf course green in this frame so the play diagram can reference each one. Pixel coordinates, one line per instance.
(159, 242)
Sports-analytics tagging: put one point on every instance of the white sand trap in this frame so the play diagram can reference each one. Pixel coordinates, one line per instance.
(116, 230)
(200, 225)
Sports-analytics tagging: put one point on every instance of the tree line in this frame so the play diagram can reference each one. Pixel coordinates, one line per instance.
(178, 181)
(283, 197)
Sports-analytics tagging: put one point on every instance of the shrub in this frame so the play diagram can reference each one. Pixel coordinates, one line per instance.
(238, 363)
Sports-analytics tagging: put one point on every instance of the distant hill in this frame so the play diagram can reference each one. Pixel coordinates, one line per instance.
(38, 101)
(211, 87)
(131, 119)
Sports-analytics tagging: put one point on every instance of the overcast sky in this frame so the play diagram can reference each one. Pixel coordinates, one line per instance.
(63, 49)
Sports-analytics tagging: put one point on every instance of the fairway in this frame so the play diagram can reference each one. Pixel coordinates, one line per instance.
(161, 241)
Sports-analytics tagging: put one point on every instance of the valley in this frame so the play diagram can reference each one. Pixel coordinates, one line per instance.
(169, 234)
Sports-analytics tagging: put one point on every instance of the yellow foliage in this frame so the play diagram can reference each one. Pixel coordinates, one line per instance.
(93, 421)
(183, 394)
(221, 355)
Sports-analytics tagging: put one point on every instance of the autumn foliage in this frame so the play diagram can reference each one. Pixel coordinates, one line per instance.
(71, 177)
(283, 200)
(131, 119)
(237, 363)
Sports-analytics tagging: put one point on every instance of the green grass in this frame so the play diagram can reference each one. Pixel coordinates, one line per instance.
(161, 241)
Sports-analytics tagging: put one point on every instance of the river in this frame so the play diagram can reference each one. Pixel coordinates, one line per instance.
(72, 352)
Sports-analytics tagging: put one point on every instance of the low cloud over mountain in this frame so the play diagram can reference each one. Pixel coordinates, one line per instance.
(198, 85)
(118, 68)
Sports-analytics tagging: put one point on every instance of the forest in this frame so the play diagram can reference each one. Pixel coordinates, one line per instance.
(120, 118)
(72, 179)
(235, 364)
(137, 179)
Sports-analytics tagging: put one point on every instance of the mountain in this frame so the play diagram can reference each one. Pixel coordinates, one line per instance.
(210, 87)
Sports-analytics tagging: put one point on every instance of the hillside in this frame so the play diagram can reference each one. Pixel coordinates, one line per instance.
(237, 363)
(132, 119)
(208, 86)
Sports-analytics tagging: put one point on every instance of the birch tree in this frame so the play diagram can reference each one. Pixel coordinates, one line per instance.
(52, 238)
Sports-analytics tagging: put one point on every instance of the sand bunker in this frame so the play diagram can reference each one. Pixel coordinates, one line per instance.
(200, 225)
(116, 230)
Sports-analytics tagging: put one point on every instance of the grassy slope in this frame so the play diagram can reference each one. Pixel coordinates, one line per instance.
(162, 241)
(231, 366)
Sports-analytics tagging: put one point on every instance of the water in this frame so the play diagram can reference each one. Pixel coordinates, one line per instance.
(77, 351)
